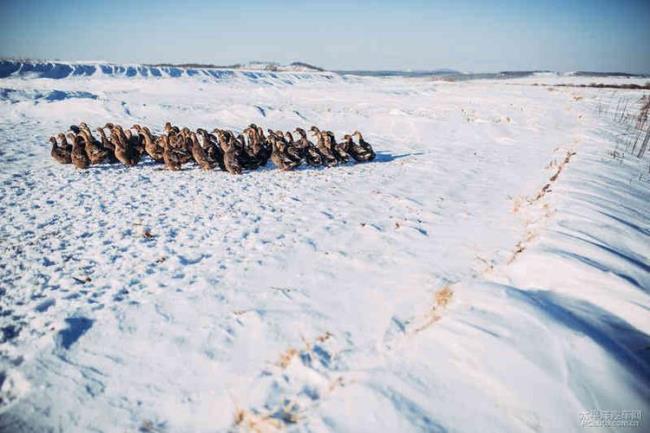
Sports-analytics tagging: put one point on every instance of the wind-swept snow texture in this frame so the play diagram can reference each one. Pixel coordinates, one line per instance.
(488, 272)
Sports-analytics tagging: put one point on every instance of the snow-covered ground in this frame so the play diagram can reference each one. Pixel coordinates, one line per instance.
(488, 272)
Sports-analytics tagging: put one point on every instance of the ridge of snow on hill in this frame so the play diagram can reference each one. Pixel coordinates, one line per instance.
(59, 70)
(488, 272)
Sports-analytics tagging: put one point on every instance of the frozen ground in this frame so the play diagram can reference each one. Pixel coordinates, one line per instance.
(488, 272)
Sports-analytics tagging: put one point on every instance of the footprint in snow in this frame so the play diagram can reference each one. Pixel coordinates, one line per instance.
(77, 326)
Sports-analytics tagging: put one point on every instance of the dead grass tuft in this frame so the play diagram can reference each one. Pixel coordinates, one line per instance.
(443, 297)
(287, 357)
(254, 423)
(323, 338)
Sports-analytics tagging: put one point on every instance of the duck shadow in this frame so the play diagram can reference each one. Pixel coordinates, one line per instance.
(388, 157)
(380, 158)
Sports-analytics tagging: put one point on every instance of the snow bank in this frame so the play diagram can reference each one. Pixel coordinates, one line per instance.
(62, 70)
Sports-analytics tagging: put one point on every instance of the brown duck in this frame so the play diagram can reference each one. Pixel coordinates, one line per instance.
(199, 154)
(311, 153)
(337, 149)
(293, 151)
(64, 142)
(78, 156)
(94, 149)
(61, 153)
(363, 151)
(212, 150)
(279, 156)
(124, 152)
(328, 157)
(152, 145)
(231, 153)
(170, 156)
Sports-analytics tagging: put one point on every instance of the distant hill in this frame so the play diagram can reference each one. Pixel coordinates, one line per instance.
(606, 74)
(254, 66)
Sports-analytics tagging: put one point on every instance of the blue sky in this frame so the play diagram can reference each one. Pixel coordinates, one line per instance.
(478, 36)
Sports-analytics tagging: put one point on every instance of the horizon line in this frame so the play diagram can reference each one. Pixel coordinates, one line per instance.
(322, 68)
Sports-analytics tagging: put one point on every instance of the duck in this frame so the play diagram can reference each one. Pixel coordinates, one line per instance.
(124, 151)
(169, 129)
(106, 143)
(327, 155)
(258, 148)
(170, 156)
(363, 151)
(230, 152)
(152, 146)
(210, 144)
(83, 126)
(61, 153)
(279, 155)
(64, 142)
(181, 146)
(94, 149)
(338, 149)
(248, 155)
(78, 155)
(109, 141)
(199, 154)
(136, 141)
(312, 156)
(293, 150)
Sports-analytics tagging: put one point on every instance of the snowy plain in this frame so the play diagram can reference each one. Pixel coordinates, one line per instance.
(488, 272)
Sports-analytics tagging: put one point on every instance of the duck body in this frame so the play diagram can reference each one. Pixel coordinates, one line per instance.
(108, 145)
(293, 150)
(124, 152)
(170, 156)
(60, 154)
(363, 151)
(78, 155)
(232, 156)
(94, 150)
(312, 156)
(152, 146)
(199, 154)
(279, 156)
(212, 149)
(327, 155)
(338, 150)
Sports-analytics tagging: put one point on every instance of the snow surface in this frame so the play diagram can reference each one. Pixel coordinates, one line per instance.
(478, 276)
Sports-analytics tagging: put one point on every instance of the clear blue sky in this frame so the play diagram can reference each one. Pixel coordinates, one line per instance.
(563, 35)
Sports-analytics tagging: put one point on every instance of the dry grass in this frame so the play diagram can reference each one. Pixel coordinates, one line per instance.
(323, 338)
(517, 203)
(441, 300)
(254, 423)
(287, 357)
(443, 297)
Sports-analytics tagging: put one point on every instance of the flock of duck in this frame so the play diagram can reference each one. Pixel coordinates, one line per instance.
(232, 153)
